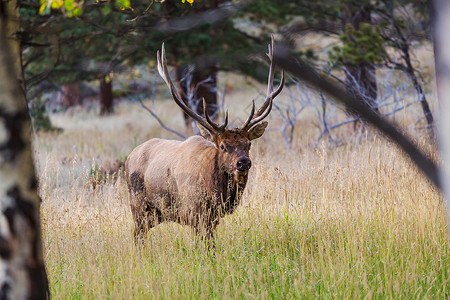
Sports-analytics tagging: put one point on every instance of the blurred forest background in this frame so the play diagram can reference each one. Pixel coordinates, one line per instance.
(98, 54)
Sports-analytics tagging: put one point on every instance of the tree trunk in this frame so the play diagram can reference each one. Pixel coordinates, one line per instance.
(402, 42)
(202, 84)
(106, 96)
(22, 271)
(207, 90)
(182, 73)
(423, 100)
(71, 94)
(404, 46)
(412, 75)
(191, 88)
(361, 79)
(442, 62)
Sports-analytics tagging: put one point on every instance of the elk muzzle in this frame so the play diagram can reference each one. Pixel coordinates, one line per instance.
(243, 165)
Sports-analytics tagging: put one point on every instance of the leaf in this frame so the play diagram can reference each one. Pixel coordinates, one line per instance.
(68, 5)
(56, 4)
(106, 10)
(122, 4)
(77, 11)
(42, 8)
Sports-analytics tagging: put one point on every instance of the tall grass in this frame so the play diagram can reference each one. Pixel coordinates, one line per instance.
(350, 221)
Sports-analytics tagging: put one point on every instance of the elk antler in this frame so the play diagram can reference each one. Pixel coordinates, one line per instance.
(265, 109)
(205, 122)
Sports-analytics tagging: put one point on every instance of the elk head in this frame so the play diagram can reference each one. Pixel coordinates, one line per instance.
(233, 144)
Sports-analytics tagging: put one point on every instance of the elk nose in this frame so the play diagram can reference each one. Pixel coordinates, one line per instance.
(244, 164)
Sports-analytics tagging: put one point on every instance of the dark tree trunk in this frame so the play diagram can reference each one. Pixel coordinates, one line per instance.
(361, 78)
(423, 100)
(71, 94)
(361, 81)
(23, 274)
(412, 75)
(106, 96)
(208, 89)
(404, 46)
(202, 84)
(402, 42)
(182, 73)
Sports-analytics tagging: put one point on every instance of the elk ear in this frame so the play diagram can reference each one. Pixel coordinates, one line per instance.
(205, 133)
(257, 131)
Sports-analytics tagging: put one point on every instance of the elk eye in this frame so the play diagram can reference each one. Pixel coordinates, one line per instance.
(223, 148)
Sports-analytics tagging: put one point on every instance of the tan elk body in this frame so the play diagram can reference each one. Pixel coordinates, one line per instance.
(196, 181)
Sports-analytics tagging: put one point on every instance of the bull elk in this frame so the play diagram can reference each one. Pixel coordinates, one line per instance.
(196, 181)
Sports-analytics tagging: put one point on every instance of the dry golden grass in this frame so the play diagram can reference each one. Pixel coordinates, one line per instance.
(321, 220)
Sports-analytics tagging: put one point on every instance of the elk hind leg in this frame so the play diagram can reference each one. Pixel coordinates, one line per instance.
(147, 219)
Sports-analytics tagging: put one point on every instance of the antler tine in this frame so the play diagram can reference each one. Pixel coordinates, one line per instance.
(269, 80)
(272, 96)
(252, 112)
(216, 127)
(224, 125)
(266, 107)
(164, 73)
(261, 117)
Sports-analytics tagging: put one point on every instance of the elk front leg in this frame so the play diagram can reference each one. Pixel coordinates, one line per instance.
(205, 229)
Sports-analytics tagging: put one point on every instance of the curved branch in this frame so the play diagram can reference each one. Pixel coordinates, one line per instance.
(161, 123)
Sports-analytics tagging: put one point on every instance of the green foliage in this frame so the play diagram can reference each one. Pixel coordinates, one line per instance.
(104, 37)
(40, 118)
(94, 172)
(112, 35)
(74, 9)
(96, 175)
(77, 49)
(68, 7)
(308, 54)
(363, 45)
(122, 4)
(281, 12)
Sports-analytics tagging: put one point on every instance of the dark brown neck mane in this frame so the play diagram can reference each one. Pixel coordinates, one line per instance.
(232, 192)
(229, 190)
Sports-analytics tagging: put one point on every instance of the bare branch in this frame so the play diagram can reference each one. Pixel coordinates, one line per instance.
(285, 60)
(161, 123)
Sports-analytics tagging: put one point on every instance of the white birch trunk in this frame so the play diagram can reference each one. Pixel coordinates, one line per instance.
(442, 59)
(22, 272)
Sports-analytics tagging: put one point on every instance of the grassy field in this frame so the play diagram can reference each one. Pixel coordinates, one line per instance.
(321, 220)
